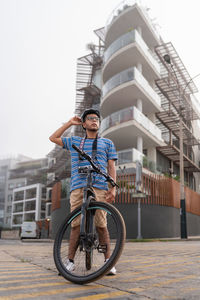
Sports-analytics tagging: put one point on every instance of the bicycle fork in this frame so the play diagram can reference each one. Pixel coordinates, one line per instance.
(88, 236)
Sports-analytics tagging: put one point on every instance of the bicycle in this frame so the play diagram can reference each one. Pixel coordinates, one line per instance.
(90, 263)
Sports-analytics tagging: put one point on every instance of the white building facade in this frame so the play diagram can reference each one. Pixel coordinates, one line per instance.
(29, 204)
(129, 100)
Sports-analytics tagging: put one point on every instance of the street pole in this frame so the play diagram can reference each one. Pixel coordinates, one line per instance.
(139, 193)
(182, 192)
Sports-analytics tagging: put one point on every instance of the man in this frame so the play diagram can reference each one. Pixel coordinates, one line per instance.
(104, 153)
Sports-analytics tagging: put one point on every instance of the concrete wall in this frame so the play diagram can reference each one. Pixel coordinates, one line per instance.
(157, 221)
(58, 216)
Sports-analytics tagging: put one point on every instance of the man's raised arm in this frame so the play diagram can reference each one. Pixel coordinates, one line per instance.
(56, 136)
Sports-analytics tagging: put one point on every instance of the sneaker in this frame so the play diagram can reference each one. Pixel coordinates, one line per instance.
(112, 271)
(70, 266)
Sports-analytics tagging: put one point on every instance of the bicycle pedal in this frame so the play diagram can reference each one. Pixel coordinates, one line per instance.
(102, 248)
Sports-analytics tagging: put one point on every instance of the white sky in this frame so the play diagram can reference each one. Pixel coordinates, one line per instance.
(40, 41)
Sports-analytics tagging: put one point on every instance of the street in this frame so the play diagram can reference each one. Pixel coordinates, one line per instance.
(146, 270)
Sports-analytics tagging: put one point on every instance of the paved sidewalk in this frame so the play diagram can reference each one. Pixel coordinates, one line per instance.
(146, 270)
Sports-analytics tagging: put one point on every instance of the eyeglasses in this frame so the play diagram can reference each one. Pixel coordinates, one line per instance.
(92, 118)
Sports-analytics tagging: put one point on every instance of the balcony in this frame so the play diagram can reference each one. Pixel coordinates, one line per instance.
(127, 50)
(130, 13)
(124, 126)
(128, 85)
(129, 156)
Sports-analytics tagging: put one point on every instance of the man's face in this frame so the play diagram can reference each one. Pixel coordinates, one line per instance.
(91, 122)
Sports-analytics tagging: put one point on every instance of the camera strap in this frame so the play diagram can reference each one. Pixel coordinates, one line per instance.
(94, 147)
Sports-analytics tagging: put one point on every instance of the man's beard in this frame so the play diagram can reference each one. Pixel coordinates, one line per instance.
(93, 129)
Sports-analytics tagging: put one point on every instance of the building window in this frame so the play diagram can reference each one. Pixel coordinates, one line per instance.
(30, 205)
(11, 186)
(42, 215)
(29, 217)
(9, 209)
(48, 210)
(8, 221)
(31, 193)
(17, 220)
(44, 192)
(19, 196)
(18, 207)
(9, 198)
(43, 205)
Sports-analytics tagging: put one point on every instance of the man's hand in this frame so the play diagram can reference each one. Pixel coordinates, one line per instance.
(76, 120)
(110, 195)
(56, 136)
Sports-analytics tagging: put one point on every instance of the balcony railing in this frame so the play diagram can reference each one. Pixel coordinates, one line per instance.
(126, 39)
(129, 156)
(128, 114)
(127, 76)
(125, 5)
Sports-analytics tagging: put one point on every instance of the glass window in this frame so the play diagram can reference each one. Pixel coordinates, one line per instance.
(29, 217)
(9, 209)
(18, 207)
(43, 205)
(17, 220)
(48, 209)
(31, 193)
(44, 191)
(19, 196)
(125, 157)
(11, 186)
(30, 205)
(10, 198)
(42, 216)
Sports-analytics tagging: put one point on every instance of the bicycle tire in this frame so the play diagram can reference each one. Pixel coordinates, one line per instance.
(89, 253)
(80, 275)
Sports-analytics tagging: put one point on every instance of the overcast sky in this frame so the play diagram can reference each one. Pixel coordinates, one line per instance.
(40, 41)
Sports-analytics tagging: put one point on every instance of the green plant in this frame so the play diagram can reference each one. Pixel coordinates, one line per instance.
(145, 162)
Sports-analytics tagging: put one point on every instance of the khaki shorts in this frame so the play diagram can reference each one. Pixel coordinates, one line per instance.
(76, 198)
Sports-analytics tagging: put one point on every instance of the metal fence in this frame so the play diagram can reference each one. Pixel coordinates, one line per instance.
(158, 190)
(155, 187)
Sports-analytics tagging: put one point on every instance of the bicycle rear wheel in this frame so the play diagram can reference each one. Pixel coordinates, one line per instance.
(82, 273)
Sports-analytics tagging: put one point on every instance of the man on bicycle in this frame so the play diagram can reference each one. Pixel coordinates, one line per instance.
(103, 152)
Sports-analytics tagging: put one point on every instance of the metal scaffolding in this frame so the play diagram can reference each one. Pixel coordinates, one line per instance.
(175, 87)
(87, 92)
(87, 95)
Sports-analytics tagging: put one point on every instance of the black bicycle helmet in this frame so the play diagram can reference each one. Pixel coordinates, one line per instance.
(88, 112)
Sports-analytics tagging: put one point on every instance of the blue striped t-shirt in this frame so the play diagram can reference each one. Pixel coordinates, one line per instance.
(105, 151)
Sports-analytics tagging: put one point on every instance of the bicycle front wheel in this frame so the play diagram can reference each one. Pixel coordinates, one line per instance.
(82, 273)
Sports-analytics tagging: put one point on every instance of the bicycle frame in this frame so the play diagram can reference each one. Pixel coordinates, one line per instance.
(87, 195)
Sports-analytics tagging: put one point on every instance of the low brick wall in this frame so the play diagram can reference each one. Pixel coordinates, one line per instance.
(10, 234)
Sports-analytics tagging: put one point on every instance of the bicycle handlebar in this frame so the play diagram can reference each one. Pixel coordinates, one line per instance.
(95, 167)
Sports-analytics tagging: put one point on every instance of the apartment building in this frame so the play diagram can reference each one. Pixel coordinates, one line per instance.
(11, 185)
(145, 95)
(18, 175)
(29, 204)
(6, 187)
(140, 95)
